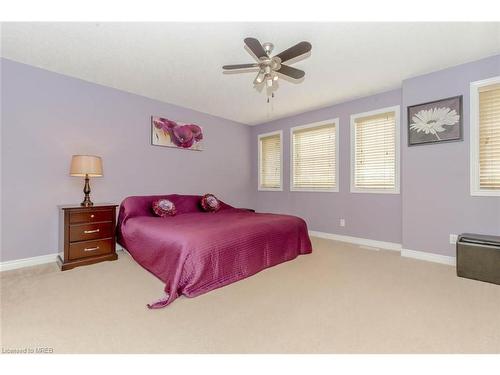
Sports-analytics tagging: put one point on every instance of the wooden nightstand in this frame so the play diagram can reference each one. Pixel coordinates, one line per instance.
(86, 235)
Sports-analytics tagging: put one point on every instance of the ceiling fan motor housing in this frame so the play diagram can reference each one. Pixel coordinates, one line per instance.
(268, 47)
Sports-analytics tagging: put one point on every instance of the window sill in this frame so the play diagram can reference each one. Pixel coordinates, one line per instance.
(374, 191)
(305, 190)
(485, 193)
(269, 189)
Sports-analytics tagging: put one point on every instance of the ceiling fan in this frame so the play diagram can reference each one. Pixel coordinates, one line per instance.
(270, 66)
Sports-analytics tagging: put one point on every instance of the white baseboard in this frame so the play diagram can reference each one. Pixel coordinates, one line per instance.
(35, 261)
(430, 257)
(421, 255)
(27, 262)
(357, 240)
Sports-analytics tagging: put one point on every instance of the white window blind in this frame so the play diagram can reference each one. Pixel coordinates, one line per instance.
(489, 137)
(374, 167)
(314, 157)
(270, 161)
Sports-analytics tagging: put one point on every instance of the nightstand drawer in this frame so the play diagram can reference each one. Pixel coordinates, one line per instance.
(91, 216)
(90, 248)
(85, 232)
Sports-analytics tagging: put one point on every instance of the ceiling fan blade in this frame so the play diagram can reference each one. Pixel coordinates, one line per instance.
(291, 72)
(256, 47)
(240, 66)
(296, 50)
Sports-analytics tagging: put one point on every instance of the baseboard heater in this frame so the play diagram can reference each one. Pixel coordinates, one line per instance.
(478, 257)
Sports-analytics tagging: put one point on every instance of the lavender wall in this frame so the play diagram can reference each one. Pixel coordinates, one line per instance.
(435, 178)
(372, 216)
(435, 200)
(47, 117)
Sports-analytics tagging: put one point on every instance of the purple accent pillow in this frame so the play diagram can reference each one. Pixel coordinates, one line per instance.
(210, 203)
(164, 207)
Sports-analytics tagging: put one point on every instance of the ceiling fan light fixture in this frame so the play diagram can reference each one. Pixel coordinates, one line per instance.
(259, 79)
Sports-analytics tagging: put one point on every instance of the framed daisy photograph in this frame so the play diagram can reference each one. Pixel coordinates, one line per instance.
(435, 122)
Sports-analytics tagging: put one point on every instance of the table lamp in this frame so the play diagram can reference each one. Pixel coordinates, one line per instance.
(88, 166)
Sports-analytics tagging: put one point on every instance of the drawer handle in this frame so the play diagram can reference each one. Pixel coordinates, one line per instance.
(91, 248)
(91, 231)
(91, 216)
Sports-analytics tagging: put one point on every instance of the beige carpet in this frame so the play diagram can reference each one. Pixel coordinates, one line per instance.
(340, 299)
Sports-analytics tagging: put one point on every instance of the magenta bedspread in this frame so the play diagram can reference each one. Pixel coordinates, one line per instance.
(195, 252)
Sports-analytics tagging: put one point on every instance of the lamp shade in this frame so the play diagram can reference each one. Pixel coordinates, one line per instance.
(82, 165)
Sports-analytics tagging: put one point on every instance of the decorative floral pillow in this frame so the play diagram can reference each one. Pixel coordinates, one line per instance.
(164, 207)
(210, 203)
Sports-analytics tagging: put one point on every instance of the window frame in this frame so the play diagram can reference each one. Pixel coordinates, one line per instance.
(475, 188)
(259, 148)
(397, 175)
(314, 125)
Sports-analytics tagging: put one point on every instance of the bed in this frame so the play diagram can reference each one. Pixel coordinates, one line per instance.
(195, 252)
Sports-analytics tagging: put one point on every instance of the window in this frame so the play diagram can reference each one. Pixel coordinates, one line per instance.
(270, 156)
(314, 155)
(375, 151)
(485, 137)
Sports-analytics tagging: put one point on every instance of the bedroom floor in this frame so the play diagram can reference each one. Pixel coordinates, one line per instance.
(340, 299)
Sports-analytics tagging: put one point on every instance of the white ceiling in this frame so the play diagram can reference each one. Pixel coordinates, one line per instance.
(180, 63)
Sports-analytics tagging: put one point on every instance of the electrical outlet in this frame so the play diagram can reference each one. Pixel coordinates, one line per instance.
(342, 222)
(453, 239)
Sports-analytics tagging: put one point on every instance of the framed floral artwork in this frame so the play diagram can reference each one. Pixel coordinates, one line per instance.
(170, 133)
(434, 122)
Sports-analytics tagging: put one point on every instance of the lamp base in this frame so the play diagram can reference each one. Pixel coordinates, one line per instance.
(86, 190)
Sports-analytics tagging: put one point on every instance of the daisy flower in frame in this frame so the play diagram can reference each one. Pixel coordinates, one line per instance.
(431, 121)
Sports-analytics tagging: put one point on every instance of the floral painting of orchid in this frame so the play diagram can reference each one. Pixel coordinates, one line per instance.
(169, 133)
(437, 121)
